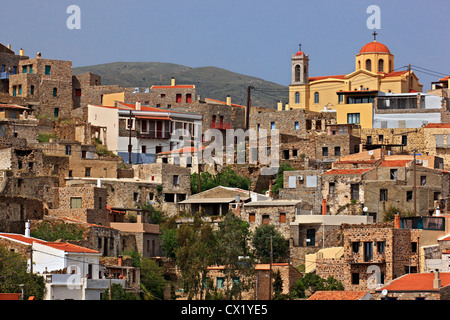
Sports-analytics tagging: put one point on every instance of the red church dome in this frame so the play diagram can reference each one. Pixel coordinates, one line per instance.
(374, 47)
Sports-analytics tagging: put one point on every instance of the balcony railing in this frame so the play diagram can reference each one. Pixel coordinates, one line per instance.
(221, 126)
(5, 75)
(154, 134)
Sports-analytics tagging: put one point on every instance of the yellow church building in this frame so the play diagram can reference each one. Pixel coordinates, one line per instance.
(351, 95)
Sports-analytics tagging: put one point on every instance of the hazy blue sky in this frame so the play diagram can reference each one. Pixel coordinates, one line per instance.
(252, 37)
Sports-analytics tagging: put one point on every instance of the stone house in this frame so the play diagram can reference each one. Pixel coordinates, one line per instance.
(437, 141)
(259, 281)
(373, 255)
(9, 63)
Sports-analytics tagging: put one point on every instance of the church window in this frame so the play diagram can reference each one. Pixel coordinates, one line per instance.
(359, 64)
(381, 65)
(297, 73)
(297, 97)
(369, 65)
(316, 97)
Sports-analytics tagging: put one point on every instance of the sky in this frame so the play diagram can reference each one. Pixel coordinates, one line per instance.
(251, 37)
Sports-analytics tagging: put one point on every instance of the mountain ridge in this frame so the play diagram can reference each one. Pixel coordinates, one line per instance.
(210, 82)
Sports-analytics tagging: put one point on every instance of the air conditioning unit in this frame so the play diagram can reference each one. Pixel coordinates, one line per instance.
(300, 178)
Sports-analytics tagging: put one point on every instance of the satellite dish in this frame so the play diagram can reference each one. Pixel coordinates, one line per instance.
(384, 293)
(365, 209)
(371, 152)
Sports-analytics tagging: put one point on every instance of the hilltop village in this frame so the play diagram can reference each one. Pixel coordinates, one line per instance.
(100, 201)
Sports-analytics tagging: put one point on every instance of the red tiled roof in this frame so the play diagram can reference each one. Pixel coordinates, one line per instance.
(223, 102)
(444, 79)
(374, 47)
(437, 125)
(12, 106)
(338, 295)
(182, 150)
(340, 76)
(67, 247)
(356, 161)
(348, 171)
(396, 73)
(417, 282)
(190, 86)
(394, 163)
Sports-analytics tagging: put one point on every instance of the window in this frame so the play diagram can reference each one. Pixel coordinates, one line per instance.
(296, 125)
(369, 65)
(272, 125)
(55, 92)
(297, 97)
(380, 138)
(77, 92)
(355, 278)
(282, 217)
(325, 151)
(381, 65)
(404, 140)
(394, 174)
(353, 118)
(47, 70)
(178, 98)
(340, 98)
(130, 123)
(251, 217)
(176, 180)
(75, 202)
(369, 139)
(87, 172)
(56, 112)
(68, 150)
(14, 91)
(265, 219)
(355, 247)
(409, 196)
(285, 154)
(308, 124)
(413, 247)
(316, 97)
(354, 189)
(423, 180)
(337, 151)
(143, 149)
(24, 69)
(331, 188)
(220, 281)
(383, 195)
(310, 237)
(100, 203)
(31, 90)
(297, 73)
(381, 246)
(368, 251)
(188, 98)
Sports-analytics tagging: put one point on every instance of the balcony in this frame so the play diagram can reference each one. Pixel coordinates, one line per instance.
(220, 126)
(154, 134)
(357, 258)
(5, 75)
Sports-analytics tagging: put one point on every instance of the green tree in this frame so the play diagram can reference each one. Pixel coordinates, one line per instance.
(262, 247)
(169, 242)
(13, 272)
(119, 293)
(152, 280)
(227, 178)
(155, 216)
(277, 286)
(279, 178)
(57, 230)
(234, 254)
(195, 253)
(312, 282)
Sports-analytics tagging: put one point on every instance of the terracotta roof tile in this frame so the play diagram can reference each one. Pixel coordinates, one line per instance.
(437, 125)
(338, 295)
(340, 76)
(395, 163)
(348, 171)
(417, 282)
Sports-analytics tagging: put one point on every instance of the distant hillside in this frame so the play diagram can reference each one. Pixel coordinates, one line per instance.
(210, 82)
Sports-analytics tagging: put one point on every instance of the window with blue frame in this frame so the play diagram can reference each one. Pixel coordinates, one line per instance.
(272, 125)
(297, 97)
(55, 92)
(220, 282)
(316, 97)
(47, 70)
(297, 125)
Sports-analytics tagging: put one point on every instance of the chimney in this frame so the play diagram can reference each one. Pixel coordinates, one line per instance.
(172, 83)
(397, 224)
(228, 101)
(139, 218)
(119, 261)
(99, 183)
(27, 229)
(9, 46)
(280, 106)
(38, 55)
(21, 52)
(324, 206)
(436, 281)
(138, 105)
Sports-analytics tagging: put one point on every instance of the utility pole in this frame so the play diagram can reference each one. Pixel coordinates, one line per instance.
(409, 77)
(31, 259)
(249, 103)
(129, 139)
(415, 184)
(270, 269)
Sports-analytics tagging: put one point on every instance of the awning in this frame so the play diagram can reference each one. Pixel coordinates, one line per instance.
(153, 118)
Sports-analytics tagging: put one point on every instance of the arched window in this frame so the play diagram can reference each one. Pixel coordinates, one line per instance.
(297, 97)
(297, 73)
(359, 64)
(316, 97)
(381, 65)
(368, 65)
